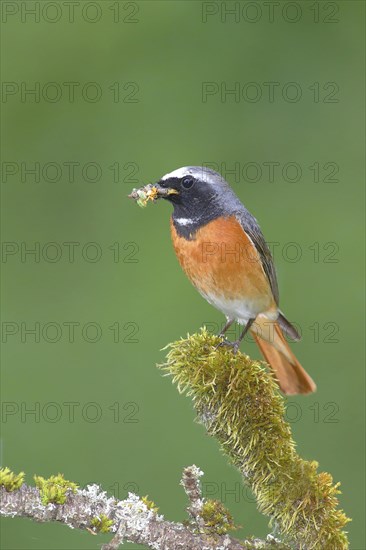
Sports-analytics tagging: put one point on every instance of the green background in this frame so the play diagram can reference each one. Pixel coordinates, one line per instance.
(168, 52)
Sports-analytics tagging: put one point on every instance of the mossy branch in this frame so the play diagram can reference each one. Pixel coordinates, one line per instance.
(238, 402)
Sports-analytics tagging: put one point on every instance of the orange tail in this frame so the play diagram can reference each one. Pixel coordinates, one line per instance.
(291, 376)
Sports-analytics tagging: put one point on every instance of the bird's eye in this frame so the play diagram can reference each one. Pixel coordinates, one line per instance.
(187, 182)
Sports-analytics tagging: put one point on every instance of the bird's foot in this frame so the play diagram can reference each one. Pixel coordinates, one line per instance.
(227, 343)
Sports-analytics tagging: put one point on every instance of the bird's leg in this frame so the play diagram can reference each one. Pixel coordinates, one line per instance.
(236, 344)
(221, 334)
(227, 325)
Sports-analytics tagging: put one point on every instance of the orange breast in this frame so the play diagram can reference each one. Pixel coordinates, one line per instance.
(221, 260)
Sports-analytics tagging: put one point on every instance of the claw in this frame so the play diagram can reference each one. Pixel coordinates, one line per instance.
(234, 345)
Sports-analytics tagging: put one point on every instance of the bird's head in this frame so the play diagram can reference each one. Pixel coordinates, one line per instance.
(190, 189)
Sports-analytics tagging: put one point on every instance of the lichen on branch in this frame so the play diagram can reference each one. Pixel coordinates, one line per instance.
(238, 402)
(134, 519)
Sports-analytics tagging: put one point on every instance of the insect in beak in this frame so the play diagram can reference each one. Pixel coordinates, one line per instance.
(150, 192)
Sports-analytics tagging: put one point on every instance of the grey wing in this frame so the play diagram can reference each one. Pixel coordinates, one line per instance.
(251, 227)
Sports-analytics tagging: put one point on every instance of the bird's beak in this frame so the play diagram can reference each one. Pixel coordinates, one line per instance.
(151, 192)
(164, 191)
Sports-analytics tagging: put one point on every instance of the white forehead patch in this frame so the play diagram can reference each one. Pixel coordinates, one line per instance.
(179, 173)
(199, 172)
(186, 221)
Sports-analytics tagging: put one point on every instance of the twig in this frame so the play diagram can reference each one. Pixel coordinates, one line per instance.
(191, 484)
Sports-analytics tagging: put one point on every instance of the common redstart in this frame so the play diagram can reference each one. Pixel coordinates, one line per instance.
(222, 250)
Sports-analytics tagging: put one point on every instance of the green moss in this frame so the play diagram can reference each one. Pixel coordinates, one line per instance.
(11, 481)
(239, 403)
(216, 517)
(54, 489)
(101, 524)
(150, 504)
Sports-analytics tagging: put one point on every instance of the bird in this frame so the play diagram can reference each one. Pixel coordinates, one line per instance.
(222, 250)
